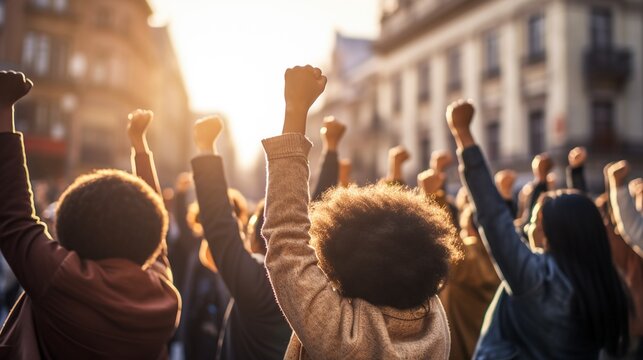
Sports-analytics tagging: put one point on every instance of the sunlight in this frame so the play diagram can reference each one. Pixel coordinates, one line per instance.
(233, 53)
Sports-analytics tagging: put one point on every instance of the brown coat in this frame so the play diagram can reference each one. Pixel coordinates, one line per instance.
(327, 325)
(74, 308)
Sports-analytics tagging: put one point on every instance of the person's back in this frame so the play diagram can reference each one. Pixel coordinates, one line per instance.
(104, 290)
(359, 278)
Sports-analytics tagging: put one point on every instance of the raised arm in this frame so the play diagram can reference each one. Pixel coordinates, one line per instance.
(311, 306)
(331, 133)
(142, 158)
(24, 241)
(628, 220)
(514, 261)
(576, 170)
(243, 275)
(397, 156)
(143, 166)
(505, 180)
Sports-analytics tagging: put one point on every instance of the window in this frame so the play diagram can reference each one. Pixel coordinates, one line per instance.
(492, 55)
(100, 71)
(423, 81)
(454, 80)
(601, 28)
(397, 93)
(536, 38)
(425, 149)
(493, 140)
(56, 5)
(603, 124)
(36, 53)
(42, 118)
(536, 132)
(3, 6)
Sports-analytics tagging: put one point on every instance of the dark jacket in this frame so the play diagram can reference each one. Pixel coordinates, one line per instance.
(258, 329)
(531, 316)
(75, 308)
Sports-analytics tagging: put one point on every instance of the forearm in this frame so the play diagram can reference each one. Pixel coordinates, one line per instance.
(328, 175)
(23, 239)
(509, 252)
(244, 276)
(6, 120)
(143, 167)
(628, 220)
(304, 293)
(576, 178)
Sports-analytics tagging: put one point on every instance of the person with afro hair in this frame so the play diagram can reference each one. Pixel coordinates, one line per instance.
(358, 278)
(104, 289)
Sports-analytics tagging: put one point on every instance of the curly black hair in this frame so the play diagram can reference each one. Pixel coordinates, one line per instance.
(111, 214)
(386, 244)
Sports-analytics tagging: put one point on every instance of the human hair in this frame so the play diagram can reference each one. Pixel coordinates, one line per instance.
(383, 243)
(111, 214)
(577, 240)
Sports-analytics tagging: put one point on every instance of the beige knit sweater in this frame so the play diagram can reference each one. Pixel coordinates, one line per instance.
(327, 325)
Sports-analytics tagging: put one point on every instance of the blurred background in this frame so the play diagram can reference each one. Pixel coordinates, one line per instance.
(546, 75)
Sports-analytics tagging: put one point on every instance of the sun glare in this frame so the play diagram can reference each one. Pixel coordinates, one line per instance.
(233, 53)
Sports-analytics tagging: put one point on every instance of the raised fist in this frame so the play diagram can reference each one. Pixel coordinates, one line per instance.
(617, 172)
(505, 180)
(440, 160)
(139, 121)
(345, 168)
(398, 155)
(577, 157)
(13, 86)
(636, 187)
(459, 115)
(332, 132)
(541, 165)
(304, 84)
(431, 181)
(206, 131)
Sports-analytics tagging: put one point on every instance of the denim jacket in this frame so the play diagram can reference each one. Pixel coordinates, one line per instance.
(531, 315)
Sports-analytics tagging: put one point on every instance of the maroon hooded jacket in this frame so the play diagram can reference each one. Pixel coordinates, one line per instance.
(74, 308)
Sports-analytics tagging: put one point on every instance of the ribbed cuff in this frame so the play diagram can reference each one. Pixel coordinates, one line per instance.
(286, 145)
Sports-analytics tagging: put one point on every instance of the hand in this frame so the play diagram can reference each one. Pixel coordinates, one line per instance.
(505, 180)
(331, 133)
(541, 165)
(577, 157)
(441, 160)
(303, 86)
(206, 131)
(552, 180)
(431, 181)
(459, 117)
(636, 187)
(617, 173)
(345, 168)
(139, 121)
(396, 157)
(14, 86)
(183, 182)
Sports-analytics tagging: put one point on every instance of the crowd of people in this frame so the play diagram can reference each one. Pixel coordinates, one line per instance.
(126, 270)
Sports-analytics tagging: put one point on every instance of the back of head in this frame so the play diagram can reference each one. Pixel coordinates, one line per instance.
(577, 239)
(111, 214)
(382, 243)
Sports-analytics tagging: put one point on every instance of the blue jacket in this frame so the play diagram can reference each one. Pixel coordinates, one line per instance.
(531, 315)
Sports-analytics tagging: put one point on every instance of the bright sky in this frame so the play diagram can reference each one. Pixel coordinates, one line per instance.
(233, 53)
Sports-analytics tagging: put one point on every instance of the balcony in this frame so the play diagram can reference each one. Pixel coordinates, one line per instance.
(609, 67)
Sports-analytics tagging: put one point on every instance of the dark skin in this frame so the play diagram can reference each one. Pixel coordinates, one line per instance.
(13, 87)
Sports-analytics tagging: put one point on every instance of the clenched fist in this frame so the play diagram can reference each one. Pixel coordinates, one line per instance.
(505, 180)
(331, 133)
(440, 160)
(206, 131)
(13, 86)
(431, 181)
(577, 157)
(618, 172)
(459, 117)
(303, 86)
(541, 165)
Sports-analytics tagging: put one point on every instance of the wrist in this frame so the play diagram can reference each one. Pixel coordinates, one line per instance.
(464, 138)
(6, 119)
(295, 120)
(139, 144)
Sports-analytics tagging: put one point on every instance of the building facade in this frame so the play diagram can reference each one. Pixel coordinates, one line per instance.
(546, 75)
(93, 61)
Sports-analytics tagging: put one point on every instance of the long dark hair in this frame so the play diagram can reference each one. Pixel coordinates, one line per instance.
(577, 239)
